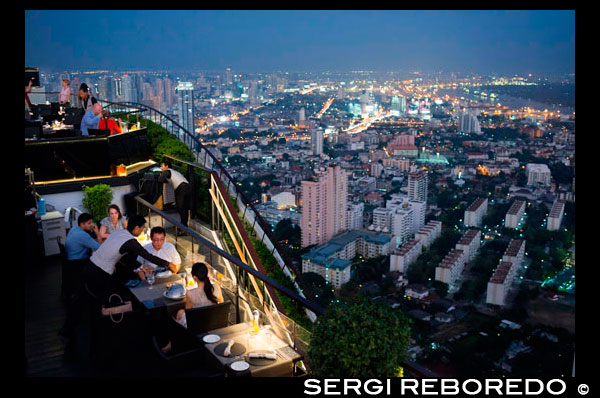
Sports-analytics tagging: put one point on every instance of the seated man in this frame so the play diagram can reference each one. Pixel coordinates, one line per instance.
(160, 248)
(91, 119)
(79, 246)
(79, 243)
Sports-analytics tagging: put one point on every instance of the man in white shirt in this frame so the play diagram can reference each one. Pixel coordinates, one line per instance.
(160, 248)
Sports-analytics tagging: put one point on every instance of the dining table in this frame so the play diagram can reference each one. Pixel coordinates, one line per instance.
(266, 341)
(153, 296)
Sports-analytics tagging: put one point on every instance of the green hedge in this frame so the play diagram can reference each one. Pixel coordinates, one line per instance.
(162, 141)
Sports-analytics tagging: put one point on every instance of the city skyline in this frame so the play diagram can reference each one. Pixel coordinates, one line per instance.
(468, 41)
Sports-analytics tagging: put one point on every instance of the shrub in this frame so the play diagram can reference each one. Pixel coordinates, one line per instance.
(359, 338)
(97, 199)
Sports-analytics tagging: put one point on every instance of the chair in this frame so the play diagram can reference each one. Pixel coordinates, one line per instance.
(187, 350)
(64, 288)
(98, 132)
(202, 319)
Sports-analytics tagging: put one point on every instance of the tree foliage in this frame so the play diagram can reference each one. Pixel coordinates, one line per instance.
(97, 199)
(359, 338)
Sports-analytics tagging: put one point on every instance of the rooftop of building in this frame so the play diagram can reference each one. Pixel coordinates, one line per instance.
(321, 254)
(516, 207)
(477, 203)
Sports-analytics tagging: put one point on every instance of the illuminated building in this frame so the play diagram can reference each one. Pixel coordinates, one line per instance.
(324, 205)
(317, 140)
(185, 91)
(417, 185)
(468, 123)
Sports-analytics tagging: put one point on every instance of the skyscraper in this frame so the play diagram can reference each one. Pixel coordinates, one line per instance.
(417, 186)
(468, 122)
(317, 141)
(324, 205)
(185, 101)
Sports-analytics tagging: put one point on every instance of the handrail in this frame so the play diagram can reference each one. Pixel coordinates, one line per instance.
(262, 223)
(308, 304)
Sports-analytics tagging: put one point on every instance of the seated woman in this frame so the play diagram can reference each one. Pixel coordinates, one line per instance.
(204, 295)
(114, 221)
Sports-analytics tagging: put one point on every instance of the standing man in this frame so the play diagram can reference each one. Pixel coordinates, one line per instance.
(91, 119)
(160, 248)
(181, 187)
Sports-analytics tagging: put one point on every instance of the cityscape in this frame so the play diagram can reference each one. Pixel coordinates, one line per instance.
(445, 196)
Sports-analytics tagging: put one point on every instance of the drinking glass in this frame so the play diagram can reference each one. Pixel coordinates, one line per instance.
(150, 278)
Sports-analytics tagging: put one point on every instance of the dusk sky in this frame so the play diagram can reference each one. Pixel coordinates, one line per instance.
(254, 41)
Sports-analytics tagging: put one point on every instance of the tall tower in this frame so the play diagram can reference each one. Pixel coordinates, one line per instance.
(417, 186)
(302, 116)
(317, 141)
(324, 206)
(185, 100)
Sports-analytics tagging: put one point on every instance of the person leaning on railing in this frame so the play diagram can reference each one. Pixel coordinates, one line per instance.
(181, 187)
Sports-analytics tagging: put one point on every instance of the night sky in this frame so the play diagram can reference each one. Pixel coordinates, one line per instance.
(262, 41)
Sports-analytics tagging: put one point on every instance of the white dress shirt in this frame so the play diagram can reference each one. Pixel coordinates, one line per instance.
(167, 252)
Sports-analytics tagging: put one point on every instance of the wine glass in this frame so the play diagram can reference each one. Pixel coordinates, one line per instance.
(150, 278)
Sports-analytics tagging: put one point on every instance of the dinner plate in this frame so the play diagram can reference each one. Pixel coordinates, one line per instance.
(163, 274)
(240, 366)
(173, 298)
(211, 338)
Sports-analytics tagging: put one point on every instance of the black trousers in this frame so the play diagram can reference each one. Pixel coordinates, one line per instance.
(94, 289)
(182, 201)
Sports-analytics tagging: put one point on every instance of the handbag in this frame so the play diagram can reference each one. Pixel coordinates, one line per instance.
(120, 308)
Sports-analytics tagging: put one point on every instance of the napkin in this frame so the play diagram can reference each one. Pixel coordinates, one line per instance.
(262, 355)
(133, 283)
(149, 303)
(227, 351)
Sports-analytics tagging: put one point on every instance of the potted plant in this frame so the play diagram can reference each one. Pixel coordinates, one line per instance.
(97, 199)
(359, 338)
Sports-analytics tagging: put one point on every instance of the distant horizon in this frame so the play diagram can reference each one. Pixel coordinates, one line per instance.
(470, 42)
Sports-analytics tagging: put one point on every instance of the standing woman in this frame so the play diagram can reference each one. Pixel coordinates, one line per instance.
(65, 93)
(113, 222)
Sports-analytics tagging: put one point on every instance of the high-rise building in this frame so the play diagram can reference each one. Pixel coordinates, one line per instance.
(117, 85)
(168, 92)
(302, 116)
(398, 106)
(417, 186)
(105, 89)
(324, 205)
(185, 97)
(468, 122)
(130, 88)
(317, 141)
